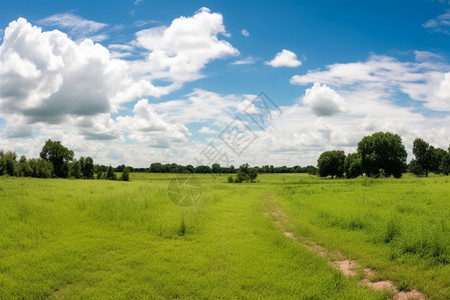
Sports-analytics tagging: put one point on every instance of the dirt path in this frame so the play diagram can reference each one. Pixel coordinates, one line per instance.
(348, 267)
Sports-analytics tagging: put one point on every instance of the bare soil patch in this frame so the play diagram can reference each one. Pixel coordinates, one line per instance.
(288, 234)
(347, 266)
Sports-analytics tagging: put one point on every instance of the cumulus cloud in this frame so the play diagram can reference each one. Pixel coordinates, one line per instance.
(78, 27)
(324, 101)
(285, 58)
(439, 24)
(148, 127)
(46, 76)
(245, 32)
(423, 80)
(178, 52)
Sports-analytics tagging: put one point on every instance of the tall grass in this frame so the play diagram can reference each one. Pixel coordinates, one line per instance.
(121, 240)
(399, 227)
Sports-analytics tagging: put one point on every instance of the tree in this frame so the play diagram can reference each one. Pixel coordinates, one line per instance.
(421, 150)
(215, 168)
(75, 169)
(382, 150)
(352, 165)
(58, 155)
(23, 167)
(8, 163)
(88, 168)
(110, 175)
(437, 156)
(445, 164)
(41, 168)
(125, 174)
(331, 163)
(156, 168)
(246, 174)
(190, 168)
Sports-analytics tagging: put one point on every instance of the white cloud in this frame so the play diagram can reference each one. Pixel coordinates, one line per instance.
(79, 28)
(439, 24)
(46, 77)
(201, 106)
(425, 80)
(178, 52)
(148, 127)
(207, 130)
(324, 101)
(285, 58)
(245, 32)
(137, 2)
(249, 60)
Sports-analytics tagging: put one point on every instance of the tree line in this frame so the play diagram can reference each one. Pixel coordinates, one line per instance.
(56, 161)
(218, 169)
(382, 155)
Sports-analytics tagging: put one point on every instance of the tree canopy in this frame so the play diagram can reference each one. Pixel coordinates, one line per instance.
(428, 159)
(59, 156)
(382, 152)
(331, 163)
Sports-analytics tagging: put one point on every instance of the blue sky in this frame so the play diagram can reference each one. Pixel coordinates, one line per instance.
(136, 82)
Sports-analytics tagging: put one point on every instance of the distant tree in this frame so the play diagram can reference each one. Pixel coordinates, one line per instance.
(88, 168)
(190, 168)
(41, 168)
(436, 159)
(58, 155)
(428, 158)
(382, 150)
(215, 168)
(82, 161)
(445, 163)
(414, 167)
(246, 174)
(352, 165)
(156, 168)
(8, 163)
(421, 150)
(23, 168)
(331, 163)
(119, 168)
(110, 175)
(202, 169)
(75, 169)
(125, 174)
(311, 170)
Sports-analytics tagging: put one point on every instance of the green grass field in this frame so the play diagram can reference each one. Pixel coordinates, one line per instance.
(102, 239)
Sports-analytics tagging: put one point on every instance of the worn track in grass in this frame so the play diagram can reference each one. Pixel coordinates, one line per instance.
(348, 267)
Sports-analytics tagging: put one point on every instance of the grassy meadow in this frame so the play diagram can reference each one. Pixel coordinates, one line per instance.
(98, 239)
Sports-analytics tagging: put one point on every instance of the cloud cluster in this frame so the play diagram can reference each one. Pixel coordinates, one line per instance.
(285, 58)
(178, 52)
(439, 24)
(46, 76)
(383, 77)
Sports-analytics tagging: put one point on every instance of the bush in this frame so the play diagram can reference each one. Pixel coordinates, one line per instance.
(125, 174)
